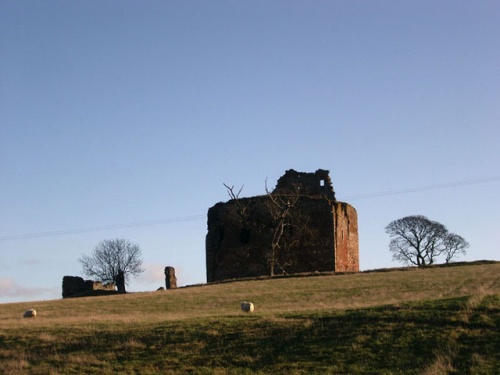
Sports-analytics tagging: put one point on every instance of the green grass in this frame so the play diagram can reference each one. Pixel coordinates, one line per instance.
(422, 321)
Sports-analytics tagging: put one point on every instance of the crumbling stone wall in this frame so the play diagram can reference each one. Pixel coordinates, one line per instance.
(323, 233)
(309, 184)
(75, 286)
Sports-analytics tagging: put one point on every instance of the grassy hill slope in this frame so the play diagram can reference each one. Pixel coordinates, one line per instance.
(419, 321)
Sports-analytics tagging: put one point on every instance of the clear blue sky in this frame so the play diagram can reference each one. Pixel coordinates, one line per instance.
(119, 112)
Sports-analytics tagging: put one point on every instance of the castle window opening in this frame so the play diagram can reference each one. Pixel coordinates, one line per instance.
(321, 182)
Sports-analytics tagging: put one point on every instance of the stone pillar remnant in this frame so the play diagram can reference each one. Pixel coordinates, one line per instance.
(170, 279)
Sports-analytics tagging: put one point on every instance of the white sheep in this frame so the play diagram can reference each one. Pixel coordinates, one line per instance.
(30, 313)
(247, 307)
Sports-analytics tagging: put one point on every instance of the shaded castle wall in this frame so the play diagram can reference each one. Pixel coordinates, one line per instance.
(233, 249)
(325, 234)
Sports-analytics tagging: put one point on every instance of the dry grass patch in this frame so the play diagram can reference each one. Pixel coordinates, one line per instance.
(15, 362)
(393, 322)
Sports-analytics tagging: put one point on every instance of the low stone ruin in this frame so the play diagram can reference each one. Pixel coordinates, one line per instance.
(75, 286)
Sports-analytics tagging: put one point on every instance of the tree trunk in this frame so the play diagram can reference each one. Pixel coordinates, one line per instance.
(120, 282)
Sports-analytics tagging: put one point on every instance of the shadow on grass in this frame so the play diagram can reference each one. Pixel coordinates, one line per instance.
(388, 339)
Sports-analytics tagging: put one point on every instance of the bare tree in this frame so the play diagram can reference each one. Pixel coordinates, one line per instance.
(231, 193)
(283, 209)
(419, 241)
(278, 219)
(113, 261)
(241, 209)
(454, 245)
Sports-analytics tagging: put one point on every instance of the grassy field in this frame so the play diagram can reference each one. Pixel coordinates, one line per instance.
(419, 321)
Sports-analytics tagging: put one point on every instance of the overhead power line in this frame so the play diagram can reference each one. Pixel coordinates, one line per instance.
(423, 188)
(63, 232)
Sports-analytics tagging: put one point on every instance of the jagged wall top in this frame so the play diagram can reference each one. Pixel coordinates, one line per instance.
(311, 184)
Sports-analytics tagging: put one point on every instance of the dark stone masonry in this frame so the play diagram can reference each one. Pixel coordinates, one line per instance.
(75, 286)
(298, 227)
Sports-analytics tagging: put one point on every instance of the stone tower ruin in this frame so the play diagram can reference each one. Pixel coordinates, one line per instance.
(298, 227)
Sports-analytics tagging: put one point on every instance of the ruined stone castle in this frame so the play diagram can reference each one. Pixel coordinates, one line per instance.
(298, 227)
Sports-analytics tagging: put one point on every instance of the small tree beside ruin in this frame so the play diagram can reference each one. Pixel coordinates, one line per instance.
(113, 261)
(416, 240)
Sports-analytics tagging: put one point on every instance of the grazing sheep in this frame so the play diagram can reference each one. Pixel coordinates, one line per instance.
(29, 313)
(247, 307)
